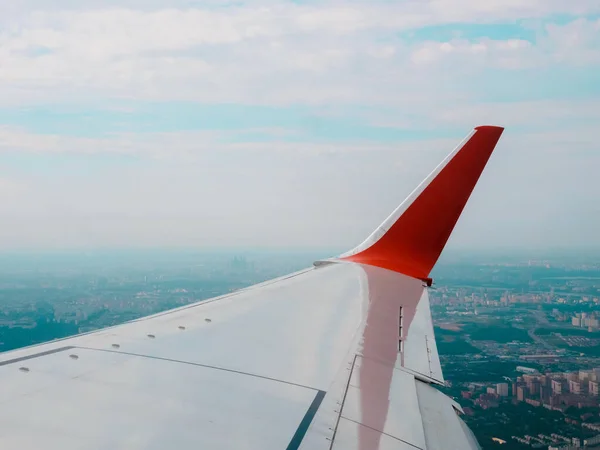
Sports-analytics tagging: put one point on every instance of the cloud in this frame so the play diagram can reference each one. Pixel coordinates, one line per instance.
(278, 53)
(182, 146)
(378, 99)
(508, 54)
(311, 194)
(577, 42)
(151, 145)
(525, 117)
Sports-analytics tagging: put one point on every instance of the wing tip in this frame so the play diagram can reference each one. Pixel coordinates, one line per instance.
(411, 240)
(493, 129)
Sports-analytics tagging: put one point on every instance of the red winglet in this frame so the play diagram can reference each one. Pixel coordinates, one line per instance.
(411, 240)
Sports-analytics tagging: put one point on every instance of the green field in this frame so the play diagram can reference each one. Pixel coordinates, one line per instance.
(457, 347)
(567, 332)
(484, 370)
(498, 332)
(451, 342)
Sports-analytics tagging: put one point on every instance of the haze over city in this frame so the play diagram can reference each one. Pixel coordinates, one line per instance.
(291, 124)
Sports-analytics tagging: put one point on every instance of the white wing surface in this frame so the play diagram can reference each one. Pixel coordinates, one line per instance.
(338, 356)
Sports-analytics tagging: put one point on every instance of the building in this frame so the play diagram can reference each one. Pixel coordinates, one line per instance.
(534, 388)
(592, 441)
(593, 387)
(557, 387)
(545, 392)
(573, 376)
(486, 401)
(574, 387)
(526, 369)
(502, 389)
(585, 375)
(521, 393)
(576, 322)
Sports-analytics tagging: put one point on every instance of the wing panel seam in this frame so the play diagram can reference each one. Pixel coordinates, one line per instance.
(418, 375)
(35, 355)
(379, 431)
(207, 366)
(337, 423)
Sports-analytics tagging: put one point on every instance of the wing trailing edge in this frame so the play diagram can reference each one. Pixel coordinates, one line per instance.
(412, 238)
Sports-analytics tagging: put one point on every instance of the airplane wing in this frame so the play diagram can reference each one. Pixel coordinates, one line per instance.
(338, 356)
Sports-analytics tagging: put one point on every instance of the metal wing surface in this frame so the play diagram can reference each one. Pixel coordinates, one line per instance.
(338, 356)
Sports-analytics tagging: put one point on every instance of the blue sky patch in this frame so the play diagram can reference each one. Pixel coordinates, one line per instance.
(246, 123)
(471, 31)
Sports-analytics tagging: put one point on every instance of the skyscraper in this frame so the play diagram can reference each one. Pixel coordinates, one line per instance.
(502, 389)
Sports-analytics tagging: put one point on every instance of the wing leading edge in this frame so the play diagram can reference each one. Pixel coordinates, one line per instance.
(338, 356)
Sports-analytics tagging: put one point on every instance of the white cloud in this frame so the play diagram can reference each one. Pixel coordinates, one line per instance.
(311, 194)
(278, 53)
(177, 146)
(195, 188)
(530, 115)
(508, 54)
(577, 42)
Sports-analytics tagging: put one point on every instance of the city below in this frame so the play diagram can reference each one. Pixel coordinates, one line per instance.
(518, 337)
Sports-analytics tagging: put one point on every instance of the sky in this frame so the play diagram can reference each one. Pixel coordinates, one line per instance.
(292, 124)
